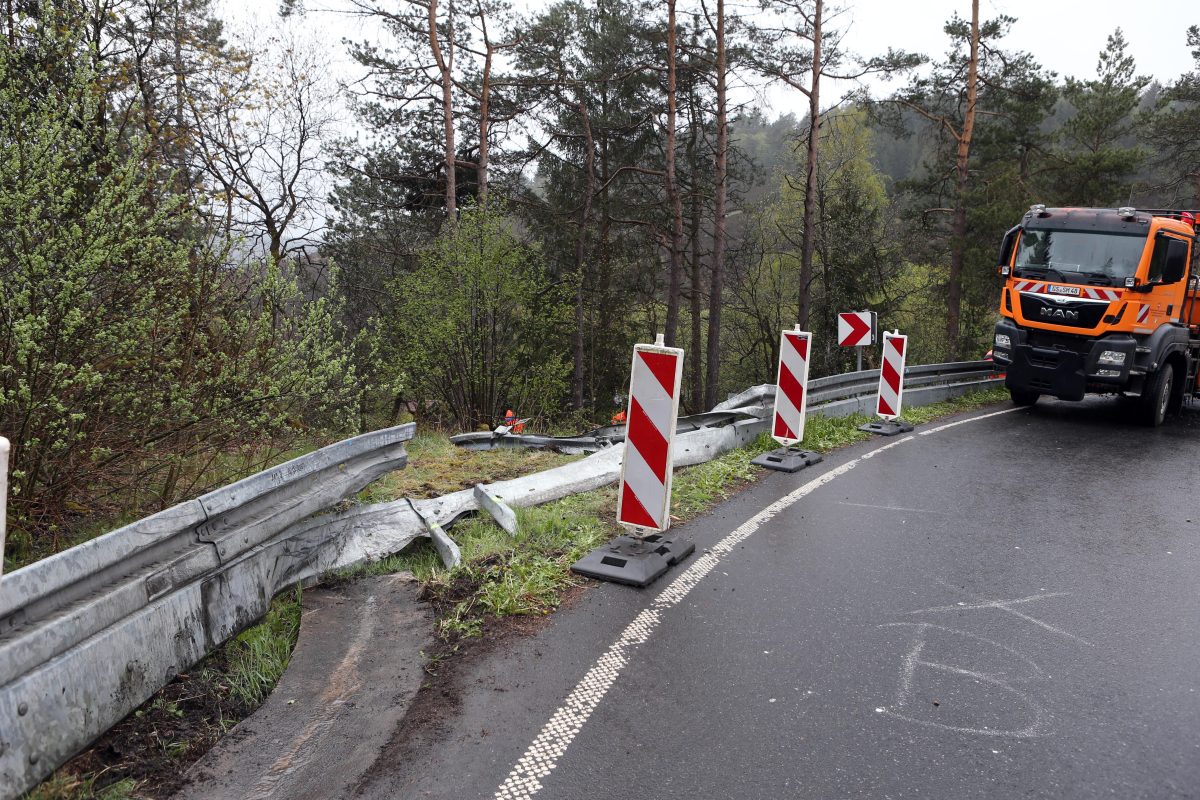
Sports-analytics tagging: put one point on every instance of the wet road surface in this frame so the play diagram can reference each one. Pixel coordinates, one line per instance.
(1008, 607)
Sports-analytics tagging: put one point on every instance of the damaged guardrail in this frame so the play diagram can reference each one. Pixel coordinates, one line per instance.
(831, 396)
(89, 634)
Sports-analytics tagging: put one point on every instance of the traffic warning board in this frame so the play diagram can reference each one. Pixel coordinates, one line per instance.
(891, 376)
(791, 387)
(856, 328)
(644, 499)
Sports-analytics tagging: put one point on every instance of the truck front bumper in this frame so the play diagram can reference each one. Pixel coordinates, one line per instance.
(1064, 366)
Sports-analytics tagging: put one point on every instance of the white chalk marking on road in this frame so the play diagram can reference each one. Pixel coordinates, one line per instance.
(1006, 605)
(913, 660)
(540, 759)
(890, 508)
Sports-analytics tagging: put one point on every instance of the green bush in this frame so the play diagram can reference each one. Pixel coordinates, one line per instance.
(480, 326)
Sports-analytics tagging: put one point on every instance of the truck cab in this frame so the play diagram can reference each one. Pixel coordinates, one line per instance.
(1101, 301)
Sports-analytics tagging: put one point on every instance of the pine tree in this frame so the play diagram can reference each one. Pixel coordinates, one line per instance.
(1096, 153)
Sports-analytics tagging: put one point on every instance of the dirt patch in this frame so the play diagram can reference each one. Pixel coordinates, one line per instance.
(440, 697)
(156, 743)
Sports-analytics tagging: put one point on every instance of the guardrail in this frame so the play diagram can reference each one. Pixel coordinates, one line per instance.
(89, 634)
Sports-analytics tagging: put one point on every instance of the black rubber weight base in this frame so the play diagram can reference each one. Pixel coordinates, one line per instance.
(636, 562)
(887, 427)
(788, 459)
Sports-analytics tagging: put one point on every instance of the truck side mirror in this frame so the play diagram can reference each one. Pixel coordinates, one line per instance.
(1176, 263)
(1007, 246)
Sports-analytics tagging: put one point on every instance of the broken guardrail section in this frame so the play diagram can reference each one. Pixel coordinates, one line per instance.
(88, 634)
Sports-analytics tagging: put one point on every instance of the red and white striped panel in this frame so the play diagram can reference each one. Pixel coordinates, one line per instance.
(1090, 292)
(644, 500)
(1143, 314)
(791, 388)
(1094, 293)
(891, 376)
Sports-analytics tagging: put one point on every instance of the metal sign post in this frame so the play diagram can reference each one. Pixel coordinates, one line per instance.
(890, 399)
(644, 493)
(791, 404)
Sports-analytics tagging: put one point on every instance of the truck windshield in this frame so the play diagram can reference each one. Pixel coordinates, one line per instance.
(1079, 257)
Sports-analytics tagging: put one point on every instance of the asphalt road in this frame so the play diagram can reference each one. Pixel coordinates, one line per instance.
(1008, 607)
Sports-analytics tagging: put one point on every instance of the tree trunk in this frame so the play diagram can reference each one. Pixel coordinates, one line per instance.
(713, 356)
(958, 234)
(810, 183)
(695, 372)
(485, 91)
(675, 278)
(445, 65)
(585, 220)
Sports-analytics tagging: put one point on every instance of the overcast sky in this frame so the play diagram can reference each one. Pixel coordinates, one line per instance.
(1065, 35)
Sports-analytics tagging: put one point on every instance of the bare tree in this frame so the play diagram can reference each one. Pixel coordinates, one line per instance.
(940, 101)
(721, 188)
(672, 184)
(444, 59)
(262, 146)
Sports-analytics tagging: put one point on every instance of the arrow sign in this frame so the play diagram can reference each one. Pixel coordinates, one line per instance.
(856, 328)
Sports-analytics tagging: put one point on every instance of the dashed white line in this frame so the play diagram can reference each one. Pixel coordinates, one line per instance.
(540, 759)
(965, 421)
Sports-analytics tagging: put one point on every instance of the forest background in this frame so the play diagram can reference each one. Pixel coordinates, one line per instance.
(205, 265)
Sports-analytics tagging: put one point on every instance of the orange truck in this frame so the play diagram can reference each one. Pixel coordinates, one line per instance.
(1101, 301)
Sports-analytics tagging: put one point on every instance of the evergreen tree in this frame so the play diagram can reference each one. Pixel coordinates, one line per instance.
(1097, 159)
(1174, 131)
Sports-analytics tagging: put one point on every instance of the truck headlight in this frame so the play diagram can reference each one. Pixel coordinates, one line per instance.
(1113, 357)
(1002, 340)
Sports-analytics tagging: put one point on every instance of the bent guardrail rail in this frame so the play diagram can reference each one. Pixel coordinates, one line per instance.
(90, 633)
(832, 396)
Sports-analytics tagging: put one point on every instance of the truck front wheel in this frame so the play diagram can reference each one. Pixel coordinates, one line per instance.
(1023, 397)
(1156, 397)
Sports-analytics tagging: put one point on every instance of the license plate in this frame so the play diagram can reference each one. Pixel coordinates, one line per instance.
(1071, 290)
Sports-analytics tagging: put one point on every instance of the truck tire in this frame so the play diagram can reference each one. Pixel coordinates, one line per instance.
(1023, 397)
(1156, 397)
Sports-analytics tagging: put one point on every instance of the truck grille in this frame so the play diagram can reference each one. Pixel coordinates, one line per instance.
(1070, 314)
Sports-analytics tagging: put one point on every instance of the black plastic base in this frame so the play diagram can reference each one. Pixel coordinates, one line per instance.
(788, 459)
(887, 427)
(633, 561)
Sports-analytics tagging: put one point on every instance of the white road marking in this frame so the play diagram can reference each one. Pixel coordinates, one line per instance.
(965, 421)
(542, 756)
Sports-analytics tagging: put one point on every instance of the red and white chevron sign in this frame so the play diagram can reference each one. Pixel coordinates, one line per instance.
(891, 376)
(644, 500)
(856, 329)
(791, 387)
